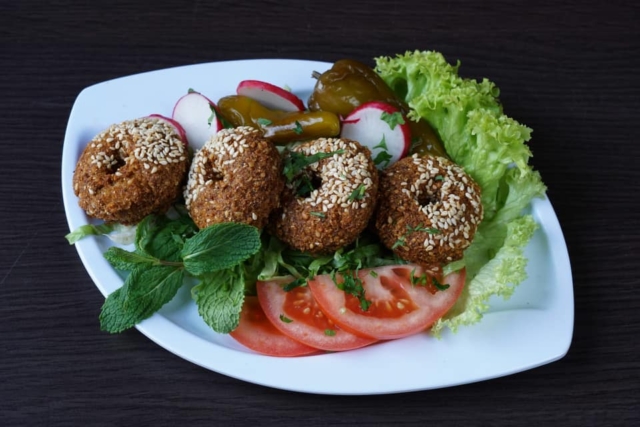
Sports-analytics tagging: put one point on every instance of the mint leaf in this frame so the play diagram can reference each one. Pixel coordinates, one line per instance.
(88, 230)
(161, 237)
(393, 119)
(126, 261)
(219, 298)
(219, 247)
(144, 292)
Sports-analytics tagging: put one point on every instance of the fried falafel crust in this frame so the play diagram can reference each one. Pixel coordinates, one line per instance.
(339, 209)
(235, 177)
(130, 170)
(429, 210)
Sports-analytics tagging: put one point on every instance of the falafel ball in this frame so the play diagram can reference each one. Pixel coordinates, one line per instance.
(130, 170)
(235, 177)
(329, 202)
(429, 210)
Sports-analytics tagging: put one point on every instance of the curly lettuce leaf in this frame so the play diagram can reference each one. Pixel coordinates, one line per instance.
(491, 147)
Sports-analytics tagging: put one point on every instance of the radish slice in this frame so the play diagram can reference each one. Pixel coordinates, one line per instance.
(198, 116)
(382, 128)
(271, 96)
(176, 125)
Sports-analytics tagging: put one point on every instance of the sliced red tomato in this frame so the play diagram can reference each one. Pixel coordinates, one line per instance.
(256, 332)
(297, 314)
(402, 300)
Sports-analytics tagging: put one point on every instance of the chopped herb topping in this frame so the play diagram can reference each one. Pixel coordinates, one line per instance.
(418, 228)
(422, 280)
(264, 122)
(192, 91)
(318, 214)
(372, 273)
(358, 193)
(301, 281)
(439, 178)
(329, 332)
(212, 116)
(393, 119)
(383, 156)
(439, 286)
(285, 319)
(295, 162)
(298, 129)
(353, 285)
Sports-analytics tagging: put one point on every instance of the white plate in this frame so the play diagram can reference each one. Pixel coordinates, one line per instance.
(531, 329)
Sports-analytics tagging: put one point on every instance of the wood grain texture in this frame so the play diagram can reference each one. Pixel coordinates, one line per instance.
(567, 70)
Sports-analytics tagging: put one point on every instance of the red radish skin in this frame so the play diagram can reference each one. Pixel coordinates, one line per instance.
(271, 96)
(176, 125)
(194, 112)
(366, 125)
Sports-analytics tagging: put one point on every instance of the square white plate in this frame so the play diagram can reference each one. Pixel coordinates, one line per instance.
(533, 328)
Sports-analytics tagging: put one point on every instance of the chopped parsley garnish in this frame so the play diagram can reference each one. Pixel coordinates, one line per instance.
(439, 286)
(358, 193)
(285, 319)
(301, 281)
(439, 178)
(212, 116)
(318, 214)
(264, 122)
(192, 91)
(418, 228)
(298, 129)
(353, 285)
(393, 119)
(329, 332)
(383, 156)
(372, 273)
(422, 281)
(295, 162)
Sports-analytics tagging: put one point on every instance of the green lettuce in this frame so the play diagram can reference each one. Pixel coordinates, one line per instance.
(491, 147)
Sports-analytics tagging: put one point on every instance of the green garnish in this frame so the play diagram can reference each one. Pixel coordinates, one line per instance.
(264, 122)
(358, 193)
(402, 240)
(439, 178)
(439, 286)
(285, 319)
(298, 129)
(383, 156)
(318, 214)
(329, 332)
(191, 90)
(88, 230)
(352, 285)
(372, 273)
(212, 116)
(295, 162)
(166, 252)
(393, 119)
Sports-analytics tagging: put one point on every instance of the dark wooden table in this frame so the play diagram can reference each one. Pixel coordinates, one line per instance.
(570, 71)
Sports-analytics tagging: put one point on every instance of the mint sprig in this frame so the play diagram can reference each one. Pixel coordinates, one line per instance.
(169, 250)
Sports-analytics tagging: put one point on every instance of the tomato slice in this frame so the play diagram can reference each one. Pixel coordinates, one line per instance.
(297, 314)
(258, 334)
(398, 308)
